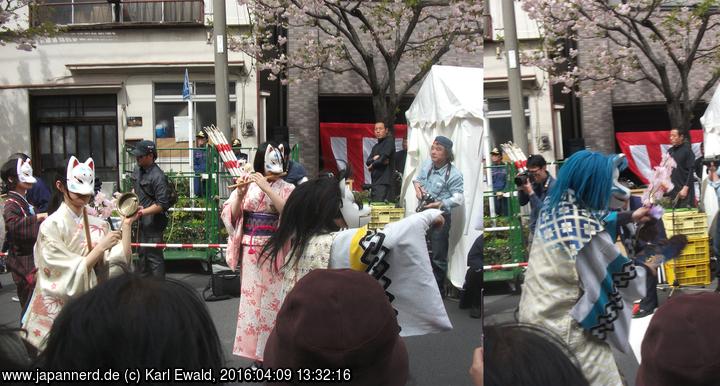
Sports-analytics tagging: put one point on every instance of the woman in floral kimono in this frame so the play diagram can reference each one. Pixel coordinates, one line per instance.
(65, 267)
(251, 215)
(22, 224)
(311, 236)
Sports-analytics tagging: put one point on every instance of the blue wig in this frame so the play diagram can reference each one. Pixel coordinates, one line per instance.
(590, 175)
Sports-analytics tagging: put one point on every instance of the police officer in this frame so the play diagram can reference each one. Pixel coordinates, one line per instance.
(151, 186)
(200, 162)
(442, 181)
(236, 145)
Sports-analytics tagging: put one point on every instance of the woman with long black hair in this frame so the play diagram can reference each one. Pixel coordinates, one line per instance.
(324, 228)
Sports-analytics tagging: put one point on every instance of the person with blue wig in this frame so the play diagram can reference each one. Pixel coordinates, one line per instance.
(578, 284)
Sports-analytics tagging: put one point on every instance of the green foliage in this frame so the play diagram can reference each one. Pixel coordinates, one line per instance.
(497, 248)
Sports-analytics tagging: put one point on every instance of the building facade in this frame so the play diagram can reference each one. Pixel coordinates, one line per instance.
(543, 115)
(115, 76)
(344, 98)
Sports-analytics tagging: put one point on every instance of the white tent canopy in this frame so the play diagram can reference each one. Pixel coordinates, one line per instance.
(450, 103)
(711, 123)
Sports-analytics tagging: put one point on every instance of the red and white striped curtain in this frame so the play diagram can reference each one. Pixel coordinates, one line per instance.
(352, 142)
(644, 149)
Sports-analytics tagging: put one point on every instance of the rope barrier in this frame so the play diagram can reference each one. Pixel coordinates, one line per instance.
(188, 209)
(497, 267)
(181, 246)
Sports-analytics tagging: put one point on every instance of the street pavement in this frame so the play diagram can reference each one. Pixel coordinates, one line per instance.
(435, 360)
(501, 304)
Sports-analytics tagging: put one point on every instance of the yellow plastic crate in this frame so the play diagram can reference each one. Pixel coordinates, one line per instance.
(381, 215)
(688, 274)
(689, 223)
(697, 251)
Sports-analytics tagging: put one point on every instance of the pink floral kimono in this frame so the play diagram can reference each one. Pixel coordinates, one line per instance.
(261, 286)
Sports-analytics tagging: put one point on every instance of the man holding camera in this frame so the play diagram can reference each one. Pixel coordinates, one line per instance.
(439, 185)
(533, 185)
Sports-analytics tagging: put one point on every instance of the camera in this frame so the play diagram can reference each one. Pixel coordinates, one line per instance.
(426, 198)
(522, 178)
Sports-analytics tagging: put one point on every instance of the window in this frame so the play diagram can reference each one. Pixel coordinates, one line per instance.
(69, 12)
(169, 104)
(499, 119)
(80, 125)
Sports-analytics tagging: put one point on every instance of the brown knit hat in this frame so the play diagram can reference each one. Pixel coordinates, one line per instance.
(680, 345)
(339, 319)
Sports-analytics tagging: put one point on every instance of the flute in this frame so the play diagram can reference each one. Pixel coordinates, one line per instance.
(271, 178)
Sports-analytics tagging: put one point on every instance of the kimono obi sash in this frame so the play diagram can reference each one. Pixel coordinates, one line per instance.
(260, 224)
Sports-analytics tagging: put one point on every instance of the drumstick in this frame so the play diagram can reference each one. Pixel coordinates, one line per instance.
(86, 222)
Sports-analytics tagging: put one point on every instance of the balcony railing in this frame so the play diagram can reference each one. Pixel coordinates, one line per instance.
(83, 12)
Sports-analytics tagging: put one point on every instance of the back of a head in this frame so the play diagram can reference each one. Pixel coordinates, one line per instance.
(310, 209)
(339, 319)
(526, 355)
(9, 170)
(590, 175)
(680, 345)
(130, 322)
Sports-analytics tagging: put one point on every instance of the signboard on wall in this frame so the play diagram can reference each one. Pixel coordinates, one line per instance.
(182, 127)
(134, 121)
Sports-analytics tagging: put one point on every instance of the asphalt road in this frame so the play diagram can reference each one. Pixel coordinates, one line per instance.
(501, 304)
(435, 360)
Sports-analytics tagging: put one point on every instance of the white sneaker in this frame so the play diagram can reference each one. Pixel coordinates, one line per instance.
(16, 299)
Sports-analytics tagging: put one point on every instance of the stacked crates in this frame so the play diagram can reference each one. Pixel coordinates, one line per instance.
(693, 265)
(382, 214)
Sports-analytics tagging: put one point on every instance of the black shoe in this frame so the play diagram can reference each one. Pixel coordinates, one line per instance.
(476, 312)
(642, 313)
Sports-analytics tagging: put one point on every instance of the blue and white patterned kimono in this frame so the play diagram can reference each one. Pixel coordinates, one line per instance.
(581, 288)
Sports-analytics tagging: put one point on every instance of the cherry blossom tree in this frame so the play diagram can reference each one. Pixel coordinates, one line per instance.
(373, 39)
(16, 28)
(665, 43)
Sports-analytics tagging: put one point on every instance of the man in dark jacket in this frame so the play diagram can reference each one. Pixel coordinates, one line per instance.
(536, 187)
(380, 164)
(682, 176)
(150, 185)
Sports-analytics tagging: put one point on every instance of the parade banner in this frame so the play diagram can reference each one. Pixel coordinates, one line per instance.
(644, 149)
(352, 142)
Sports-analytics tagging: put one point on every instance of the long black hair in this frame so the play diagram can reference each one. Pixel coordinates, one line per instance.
(130, 322)
(311, 209)
(9, 176)
(57, 197)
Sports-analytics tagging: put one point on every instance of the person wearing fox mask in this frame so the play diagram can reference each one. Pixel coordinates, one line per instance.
(22, 222)
(251, 215)
(66, 266)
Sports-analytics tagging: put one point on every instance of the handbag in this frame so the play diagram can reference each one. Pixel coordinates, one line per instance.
(222, 285)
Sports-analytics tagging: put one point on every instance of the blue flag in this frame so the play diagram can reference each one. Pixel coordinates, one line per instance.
(186, 86)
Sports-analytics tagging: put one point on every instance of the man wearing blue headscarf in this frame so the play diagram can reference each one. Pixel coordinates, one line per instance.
(439, 185)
